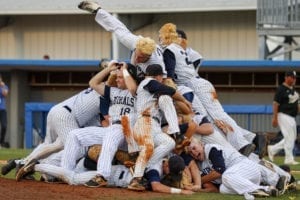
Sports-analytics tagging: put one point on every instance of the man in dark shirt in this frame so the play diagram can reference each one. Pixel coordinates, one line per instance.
(285, 110)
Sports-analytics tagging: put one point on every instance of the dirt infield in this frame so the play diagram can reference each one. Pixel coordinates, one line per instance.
(35, 190)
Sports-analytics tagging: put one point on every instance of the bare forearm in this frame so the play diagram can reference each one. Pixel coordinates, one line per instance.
(99, 78)
(275, 109)
(213, 175)
(130, 82)
(195, 173)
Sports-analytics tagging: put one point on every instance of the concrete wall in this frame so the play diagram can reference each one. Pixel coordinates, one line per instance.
(217, 35)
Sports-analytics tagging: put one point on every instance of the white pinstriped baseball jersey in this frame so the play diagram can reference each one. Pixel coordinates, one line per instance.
(84, 106)
(147, 100)
(230, 155)
(184, 69)
(128, 39)
(241, 175)
(121, 103)
(194, 56)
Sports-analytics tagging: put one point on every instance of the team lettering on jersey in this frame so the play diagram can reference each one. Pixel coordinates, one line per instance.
(293, 97)
(129, 101)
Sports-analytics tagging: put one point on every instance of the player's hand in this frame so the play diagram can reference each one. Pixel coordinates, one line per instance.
(196, 188)
(226, 128)
(2, 84)
(122, 65)
(113, 65)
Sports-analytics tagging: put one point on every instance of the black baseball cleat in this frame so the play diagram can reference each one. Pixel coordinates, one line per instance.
(89, 6)
(247, 150)
(97, 181)
(282, 184)
(10, 165)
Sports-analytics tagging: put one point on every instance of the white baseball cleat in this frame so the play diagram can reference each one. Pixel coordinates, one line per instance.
(292, 163)
(89, 6)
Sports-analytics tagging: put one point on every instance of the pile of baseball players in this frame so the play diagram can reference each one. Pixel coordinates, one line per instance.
(160, 127)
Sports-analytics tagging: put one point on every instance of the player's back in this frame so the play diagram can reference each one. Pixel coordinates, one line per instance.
(86, 106)
(184, 70)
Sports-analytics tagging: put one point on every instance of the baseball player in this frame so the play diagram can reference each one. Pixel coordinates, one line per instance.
(151, 94)
(271, 174)
(182, 70)
(122, 102)
(75, 112)
(120, 175)
(194, 57)
(233, 169)
(285, 109)
(144, 50)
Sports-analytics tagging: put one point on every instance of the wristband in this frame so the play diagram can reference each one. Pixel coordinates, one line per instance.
(125, 73)
(175, 191)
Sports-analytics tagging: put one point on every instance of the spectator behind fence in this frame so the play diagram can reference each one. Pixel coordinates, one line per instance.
(3, 114)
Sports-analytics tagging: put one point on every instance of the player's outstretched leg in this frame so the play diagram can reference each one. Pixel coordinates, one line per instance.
(89, 6)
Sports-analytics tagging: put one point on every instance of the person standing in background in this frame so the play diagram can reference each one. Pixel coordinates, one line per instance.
(3, 114)
(285, 110)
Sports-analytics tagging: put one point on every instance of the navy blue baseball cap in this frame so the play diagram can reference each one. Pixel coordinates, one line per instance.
(154, 70)
(291, 73)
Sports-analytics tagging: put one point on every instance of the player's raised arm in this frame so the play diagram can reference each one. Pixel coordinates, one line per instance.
(110, 23)
(129, 74)
(97, 82)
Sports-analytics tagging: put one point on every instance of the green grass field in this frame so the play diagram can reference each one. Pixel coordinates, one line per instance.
(6, 154)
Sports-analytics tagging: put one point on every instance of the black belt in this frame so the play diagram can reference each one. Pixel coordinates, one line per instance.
(68, 108)
(116, 122)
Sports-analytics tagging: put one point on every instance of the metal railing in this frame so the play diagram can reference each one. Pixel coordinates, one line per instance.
(255, 118)
(278, 14)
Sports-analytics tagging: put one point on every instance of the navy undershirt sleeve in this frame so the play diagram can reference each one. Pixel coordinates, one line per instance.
(170, 62)
(196, 63)
(155, 87)
(189, 96)
(217, 160)
(152, 176)
(104, 105)
(105, 101)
